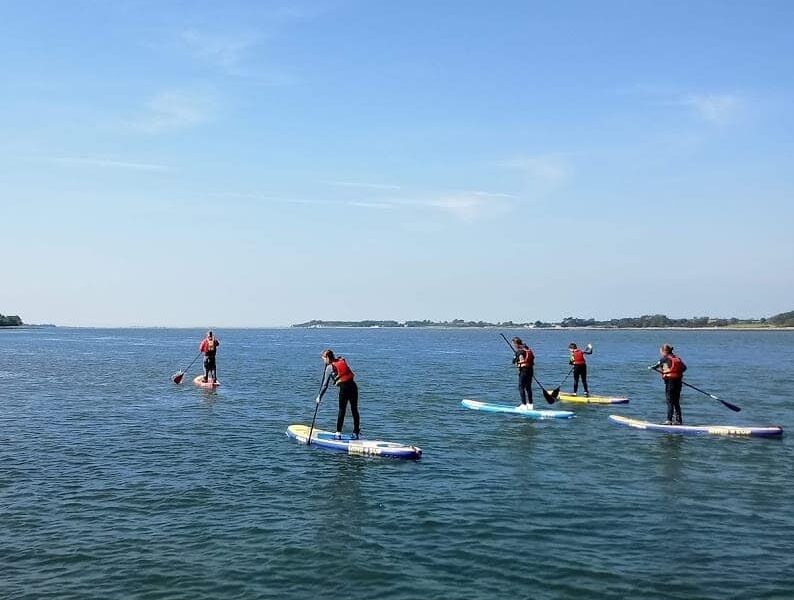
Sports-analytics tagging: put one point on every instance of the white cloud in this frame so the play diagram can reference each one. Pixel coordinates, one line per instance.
(542, 168)
(717, 109)
(173, 110)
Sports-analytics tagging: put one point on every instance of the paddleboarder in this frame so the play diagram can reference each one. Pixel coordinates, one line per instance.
(339, 371)
(579, 367)
(672, 370)
(524, 359)
(209, 347)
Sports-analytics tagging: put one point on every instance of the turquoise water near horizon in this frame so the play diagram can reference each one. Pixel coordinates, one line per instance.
(116, 483)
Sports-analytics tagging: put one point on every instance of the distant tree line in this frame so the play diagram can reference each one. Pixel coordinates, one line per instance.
(10, 321)
(785, 319)
(645, 321)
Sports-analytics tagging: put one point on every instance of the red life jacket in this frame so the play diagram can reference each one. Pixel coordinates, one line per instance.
(342, 371)
(578, 357)
(527, 360)
(675, 369)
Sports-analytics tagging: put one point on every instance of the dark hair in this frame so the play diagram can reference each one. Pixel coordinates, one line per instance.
(517, 340)
(667, 348)
(572, 346)
(327, 353)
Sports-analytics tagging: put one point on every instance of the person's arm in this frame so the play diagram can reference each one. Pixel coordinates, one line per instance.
(203, 346)
(327, 377)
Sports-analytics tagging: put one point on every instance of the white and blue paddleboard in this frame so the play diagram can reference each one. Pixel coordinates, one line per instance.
(327, 441)
(514, 410)
(773, 431)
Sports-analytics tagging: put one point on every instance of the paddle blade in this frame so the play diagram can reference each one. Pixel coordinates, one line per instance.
(177, 378)
(555, 393)
(549, 398)
(733, 407)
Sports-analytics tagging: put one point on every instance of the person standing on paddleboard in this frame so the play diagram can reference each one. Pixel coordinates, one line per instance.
(525, 360)
(672, 369)
(579, 367)
(209, 346)
(339, 371)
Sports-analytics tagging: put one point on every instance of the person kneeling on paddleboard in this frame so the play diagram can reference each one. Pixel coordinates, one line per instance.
(525, 360)
(339, 371)
(209, 346)
(672, 370)
(579, 367)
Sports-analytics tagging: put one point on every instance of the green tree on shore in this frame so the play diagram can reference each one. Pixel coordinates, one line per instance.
(10, 321)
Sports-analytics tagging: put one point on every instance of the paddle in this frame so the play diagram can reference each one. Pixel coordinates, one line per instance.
(733, 407)
(177, 377)
(556, 391)
(548, 397)
(316, 408)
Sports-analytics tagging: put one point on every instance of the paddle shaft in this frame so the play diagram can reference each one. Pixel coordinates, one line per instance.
(316, 408)
(180, 374)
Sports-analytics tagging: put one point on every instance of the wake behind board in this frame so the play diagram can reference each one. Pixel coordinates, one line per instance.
(725, 430)
(592, 399)
(514, 410)
(325, 440)
(209, 384)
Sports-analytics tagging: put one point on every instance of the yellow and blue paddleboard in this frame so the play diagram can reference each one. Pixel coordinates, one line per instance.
(592, 399)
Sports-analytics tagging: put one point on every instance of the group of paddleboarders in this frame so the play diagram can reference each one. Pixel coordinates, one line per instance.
(338, 371)
(670, 366)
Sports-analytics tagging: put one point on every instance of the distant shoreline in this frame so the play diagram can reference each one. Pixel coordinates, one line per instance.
(506, 327)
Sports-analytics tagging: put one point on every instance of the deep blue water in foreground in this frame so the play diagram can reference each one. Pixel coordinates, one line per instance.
(116, 483)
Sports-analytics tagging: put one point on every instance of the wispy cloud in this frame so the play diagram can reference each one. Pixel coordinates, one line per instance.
(227, 52)
(104, 163)
(174, 110)
(360, 184)
(542, 168)
(469, 205)
(717, 109)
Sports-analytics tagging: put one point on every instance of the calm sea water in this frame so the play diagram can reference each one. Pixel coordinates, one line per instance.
(116, 483)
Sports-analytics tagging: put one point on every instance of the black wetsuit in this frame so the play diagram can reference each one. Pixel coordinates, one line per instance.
(580, 371)
(672, 394)
(348, 394)
(524, 378)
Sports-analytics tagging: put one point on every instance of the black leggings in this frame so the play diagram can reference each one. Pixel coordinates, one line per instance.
(525, 385)
(672, 393)
(580, 371)
(348, 392)
(209, 368)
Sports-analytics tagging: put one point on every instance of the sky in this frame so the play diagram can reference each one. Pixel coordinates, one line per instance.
(243, 164)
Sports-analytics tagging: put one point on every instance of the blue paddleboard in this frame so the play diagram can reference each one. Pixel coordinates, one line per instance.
(514, 410)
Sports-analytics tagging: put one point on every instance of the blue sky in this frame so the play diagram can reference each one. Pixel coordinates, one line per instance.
(255, 163)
